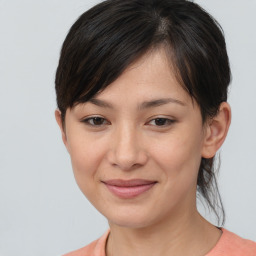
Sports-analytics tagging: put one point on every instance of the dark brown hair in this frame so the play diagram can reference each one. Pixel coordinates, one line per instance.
(106, 39)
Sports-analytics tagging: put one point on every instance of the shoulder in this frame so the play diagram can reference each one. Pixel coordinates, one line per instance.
(233, 245)
(85, 251)
(96, 248)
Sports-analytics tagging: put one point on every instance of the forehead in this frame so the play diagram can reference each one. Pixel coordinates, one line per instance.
(151, 76)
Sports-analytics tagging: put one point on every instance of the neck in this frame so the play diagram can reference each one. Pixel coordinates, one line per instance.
(188, 235)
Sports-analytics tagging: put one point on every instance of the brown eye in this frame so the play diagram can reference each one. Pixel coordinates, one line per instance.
(161, 122)
(95, 121)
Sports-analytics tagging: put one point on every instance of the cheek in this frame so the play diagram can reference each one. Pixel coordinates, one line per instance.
(86, 156)
(179, 160)
(179, 156)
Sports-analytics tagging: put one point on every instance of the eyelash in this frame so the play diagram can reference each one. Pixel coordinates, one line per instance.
(94, 118)
(166, 120)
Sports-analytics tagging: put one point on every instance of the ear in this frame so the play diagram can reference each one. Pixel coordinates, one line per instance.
(216, 131)
(61, 125)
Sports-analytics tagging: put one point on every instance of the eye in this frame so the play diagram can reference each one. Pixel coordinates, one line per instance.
(95, 121)
(161, 122)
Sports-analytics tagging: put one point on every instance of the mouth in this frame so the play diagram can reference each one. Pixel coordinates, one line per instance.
(126, 189)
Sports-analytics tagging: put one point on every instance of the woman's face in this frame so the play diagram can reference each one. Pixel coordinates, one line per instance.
(136, 147)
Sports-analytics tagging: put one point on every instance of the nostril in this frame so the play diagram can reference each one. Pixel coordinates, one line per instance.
(128, 161)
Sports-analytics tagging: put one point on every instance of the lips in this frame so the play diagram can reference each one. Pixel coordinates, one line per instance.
(129, 188)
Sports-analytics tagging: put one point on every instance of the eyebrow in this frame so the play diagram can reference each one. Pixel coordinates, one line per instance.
(143, 105)
(159, 102)
(100, 103)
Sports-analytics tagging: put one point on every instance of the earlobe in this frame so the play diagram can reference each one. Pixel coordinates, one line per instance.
(62, 129)
(216, 131)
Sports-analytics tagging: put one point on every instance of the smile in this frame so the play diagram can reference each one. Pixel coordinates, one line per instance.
(126, 189)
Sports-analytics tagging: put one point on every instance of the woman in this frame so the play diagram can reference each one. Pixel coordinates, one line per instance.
(142, 106)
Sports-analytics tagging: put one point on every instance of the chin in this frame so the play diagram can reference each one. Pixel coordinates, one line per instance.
(129, 219)
(129, 223)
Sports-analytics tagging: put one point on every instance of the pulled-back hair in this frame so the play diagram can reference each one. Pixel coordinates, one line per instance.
(109, 37)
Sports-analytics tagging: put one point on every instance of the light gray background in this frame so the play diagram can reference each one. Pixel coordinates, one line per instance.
(42, 212)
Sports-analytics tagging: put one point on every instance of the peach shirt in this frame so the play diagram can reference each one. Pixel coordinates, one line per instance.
(229, 244)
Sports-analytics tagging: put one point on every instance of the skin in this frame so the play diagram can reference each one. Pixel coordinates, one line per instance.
(127, 142)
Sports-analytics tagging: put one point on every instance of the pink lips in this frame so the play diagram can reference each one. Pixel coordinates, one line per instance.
(129, 188)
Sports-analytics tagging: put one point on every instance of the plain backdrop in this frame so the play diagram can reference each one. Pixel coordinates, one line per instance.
(42, 211)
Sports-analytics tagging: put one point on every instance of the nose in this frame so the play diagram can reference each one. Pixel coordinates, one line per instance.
(127, 152)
